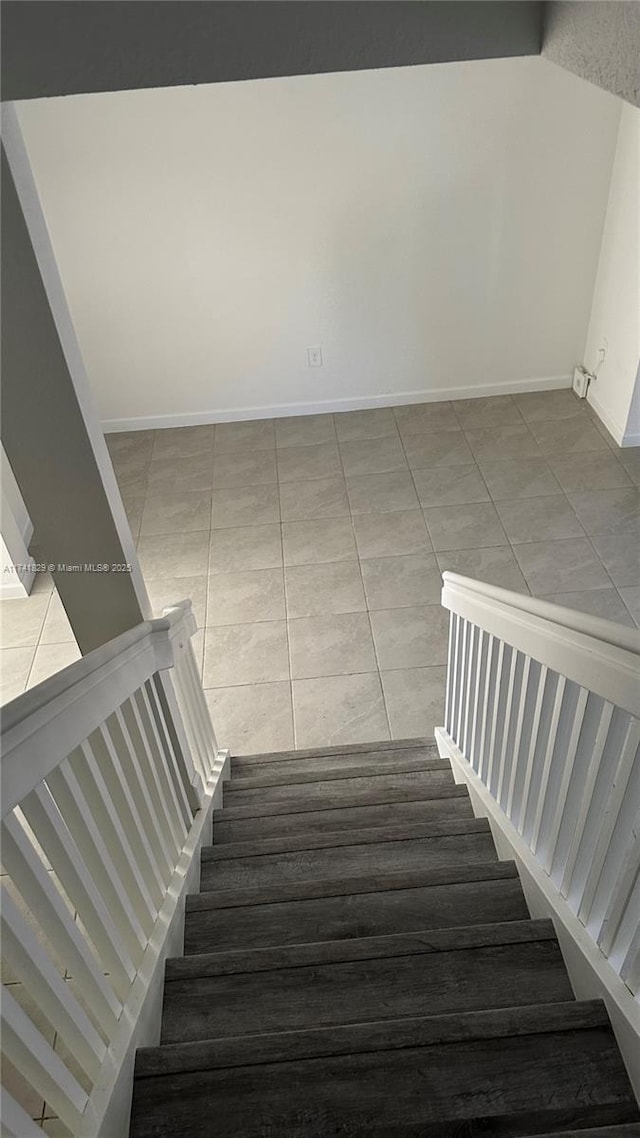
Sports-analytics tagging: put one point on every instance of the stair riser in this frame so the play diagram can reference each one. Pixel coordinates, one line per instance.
(389, 1094)
(323, 821)
(431, 983)
(360, 915)
(390, 857)
(411, 782)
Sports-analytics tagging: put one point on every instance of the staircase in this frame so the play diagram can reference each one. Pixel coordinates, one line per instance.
(359, 962)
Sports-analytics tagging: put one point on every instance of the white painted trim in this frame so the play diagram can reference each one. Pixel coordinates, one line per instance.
(329, 406)
(591, 974)
(109, 1106)
(17, 588)
(614, 428)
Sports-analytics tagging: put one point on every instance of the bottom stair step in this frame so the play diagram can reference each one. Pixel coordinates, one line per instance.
(430, 973)
(496, 1071)
(354, 907)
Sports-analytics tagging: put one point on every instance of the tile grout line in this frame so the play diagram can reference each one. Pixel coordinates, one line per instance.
(364, 592)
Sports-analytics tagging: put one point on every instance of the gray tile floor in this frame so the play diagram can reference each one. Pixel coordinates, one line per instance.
(313, 548)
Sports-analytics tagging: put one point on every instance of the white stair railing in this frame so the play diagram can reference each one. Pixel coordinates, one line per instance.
(541, 712)
(109, 771)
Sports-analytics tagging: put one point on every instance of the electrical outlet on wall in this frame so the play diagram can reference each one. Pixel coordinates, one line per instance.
(581, 379)
(314, 356)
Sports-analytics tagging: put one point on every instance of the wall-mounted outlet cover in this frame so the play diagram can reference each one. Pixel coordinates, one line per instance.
(581, 379)
(314, 356)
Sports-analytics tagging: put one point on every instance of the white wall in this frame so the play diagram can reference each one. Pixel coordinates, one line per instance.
(615, 314)
(435, 229)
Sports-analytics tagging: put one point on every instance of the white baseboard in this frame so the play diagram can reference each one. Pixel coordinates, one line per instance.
(330, 406)
(620, 436)
(16, 586)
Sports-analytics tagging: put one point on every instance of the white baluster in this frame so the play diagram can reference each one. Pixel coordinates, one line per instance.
(41, 896)
(32, 965)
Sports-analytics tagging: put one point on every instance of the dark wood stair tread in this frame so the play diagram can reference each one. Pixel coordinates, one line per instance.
(420, 1075)
(228, 829)
(432, 791)
(365, 906)
(328, 766)
(375, 851)
(334, 790)
(330, 839)
(338, 749)
(430, 973)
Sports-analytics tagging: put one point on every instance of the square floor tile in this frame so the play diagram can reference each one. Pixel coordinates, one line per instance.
(15, 665)
(331, 645)
(51, 658)
(448, 448)
(449, 485)
(610, 512)
(369, 424)
(304, 430)
(21, 620)
(56, 628)
(541, 406)
(241, 598)
(176, 512)
(120, 444)
(180, 442)
(630, 459)
(313, 542)
(176, 475)
(314, 590)
(401, 582)
(133, 502)
(564, 435)
(339, 709)
(245, 547)
(631, 598)
(464, 527)
(381, 493)
(620, 556)
(252, 718)
(247, 468)
(373, 456)
(488, 411)
(391, 535)
(600, 471)
(245, 506)
(604, 603)
(166, 591)
(561, 566)
(130, 453)
(246, 654)
(257, 434)
(425, 418)
(496, 565)
(511, 441)
(414, 698)
(518, 478)
(539, 519)
(320, 498)
(411, 637)
(299, 464)
(174, 555)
